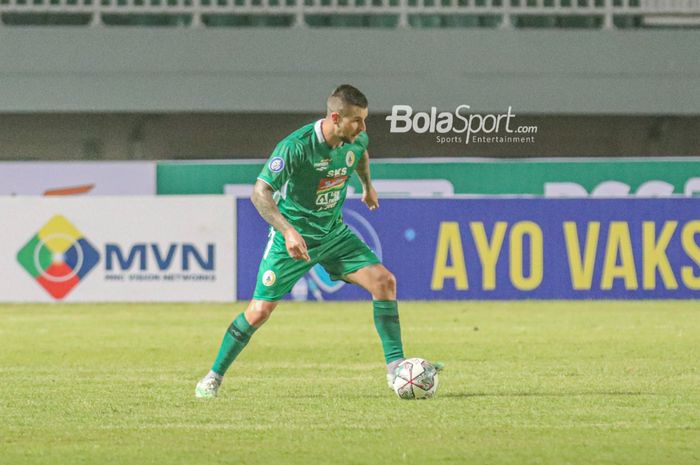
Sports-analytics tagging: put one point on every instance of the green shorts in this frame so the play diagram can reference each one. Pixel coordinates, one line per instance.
(340, 254)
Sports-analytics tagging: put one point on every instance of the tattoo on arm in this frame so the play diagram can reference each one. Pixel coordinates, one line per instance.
(362, 170)
(266, 206)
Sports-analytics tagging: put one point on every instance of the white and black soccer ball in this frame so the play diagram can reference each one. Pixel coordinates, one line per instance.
(415, 379)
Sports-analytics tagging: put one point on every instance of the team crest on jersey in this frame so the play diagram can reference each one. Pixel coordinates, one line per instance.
(269, 278)
(350, 158)
(276, 165)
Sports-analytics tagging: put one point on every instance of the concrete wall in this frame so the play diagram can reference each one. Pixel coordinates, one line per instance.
(269, 70)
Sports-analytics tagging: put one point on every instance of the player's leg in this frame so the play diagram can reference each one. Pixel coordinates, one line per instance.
(376, 280)
(235, 339)
(381, 284)
(239, 333)
(353, 261)
(277, 275)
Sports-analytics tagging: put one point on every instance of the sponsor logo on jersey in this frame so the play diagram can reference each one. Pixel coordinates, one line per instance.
(269, 278)
(350, 158)
(322, 165)
(327, 200)
(276, 165)
(337, 172)
(330, 184)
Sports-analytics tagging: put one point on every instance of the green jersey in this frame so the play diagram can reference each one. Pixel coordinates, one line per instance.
(312, 179)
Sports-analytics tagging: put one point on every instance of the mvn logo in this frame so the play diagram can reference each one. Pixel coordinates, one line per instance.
(58, 256)
(138, 254)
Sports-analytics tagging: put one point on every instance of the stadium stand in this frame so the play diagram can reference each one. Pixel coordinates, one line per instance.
(506, 14)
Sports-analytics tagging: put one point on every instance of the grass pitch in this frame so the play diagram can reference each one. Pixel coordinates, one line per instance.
(525, 383)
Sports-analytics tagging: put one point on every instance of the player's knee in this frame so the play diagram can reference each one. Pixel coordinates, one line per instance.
(386, 284)
(259, 312)
(264, 311)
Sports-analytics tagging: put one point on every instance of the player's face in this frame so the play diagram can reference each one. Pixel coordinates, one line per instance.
(351, 123)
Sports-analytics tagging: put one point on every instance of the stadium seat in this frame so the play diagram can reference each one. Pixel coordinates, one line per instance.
(383, 21)
(388, 14)
(627, 22)
(150, 20)
(425, 21)
(462, 21)
(534, 21)
(46, 19)
(580, 22)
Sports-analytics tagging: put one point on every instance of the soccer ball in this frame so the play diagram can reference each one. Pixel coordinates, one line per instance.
(415, 379)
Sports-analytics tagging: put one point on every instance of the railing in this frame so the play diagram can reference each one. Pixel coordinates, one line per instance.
(606, 14)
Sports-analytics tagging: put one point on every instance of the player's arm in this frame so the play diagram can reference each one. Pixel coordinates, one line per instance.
(266, 206)
(369, 194)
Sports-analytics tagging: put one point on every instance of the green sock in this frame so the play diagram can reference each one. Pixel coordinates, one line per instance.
(386, 320)
(235, 339)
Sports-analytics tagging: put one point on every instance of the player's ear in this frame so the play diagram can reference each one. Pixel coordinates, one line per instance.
(335, 117)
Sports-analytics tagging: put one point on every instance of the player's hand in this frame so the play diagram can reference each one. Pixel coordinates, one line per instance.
(296, 246)
(370, 198)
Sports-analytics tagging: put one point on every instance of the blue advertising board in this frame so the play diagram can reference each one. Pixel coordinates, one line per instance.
(517, 248)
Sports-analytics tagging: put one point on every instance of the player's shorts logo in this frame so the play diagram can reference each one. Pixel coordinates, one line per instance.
(276, 165)
(58, 256)
(350, 158)
(269, 278)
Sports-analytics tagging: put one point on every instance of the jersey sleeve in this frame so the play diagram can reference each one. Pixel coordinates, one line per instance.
(280, 166)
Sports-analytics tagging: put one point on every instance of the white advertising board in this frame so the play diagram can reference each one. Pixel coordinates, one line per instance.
(78, 178)
(124, 249)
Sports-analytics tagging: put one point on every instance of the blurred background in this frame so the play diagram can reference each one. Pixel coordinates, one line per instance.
(173, 99)
(221, 79)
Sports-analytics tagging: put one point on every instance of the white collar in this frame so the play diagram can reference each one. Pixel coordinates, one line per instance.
(319, 131)
(321, 137)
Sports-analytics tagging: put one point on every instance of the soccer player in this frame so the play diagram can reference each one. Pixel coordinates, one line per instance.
(308, 173)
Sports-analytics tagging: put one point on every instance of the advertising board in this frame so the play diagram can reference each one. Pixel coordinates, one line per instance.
(511, 248)
(129, 249)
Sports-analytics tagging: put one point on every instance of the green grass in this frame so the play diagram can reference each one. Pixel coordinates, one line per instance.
(526, 383)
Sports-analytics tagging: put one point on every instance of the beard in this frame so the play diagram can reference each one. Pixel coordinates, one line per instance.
(349, 139)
